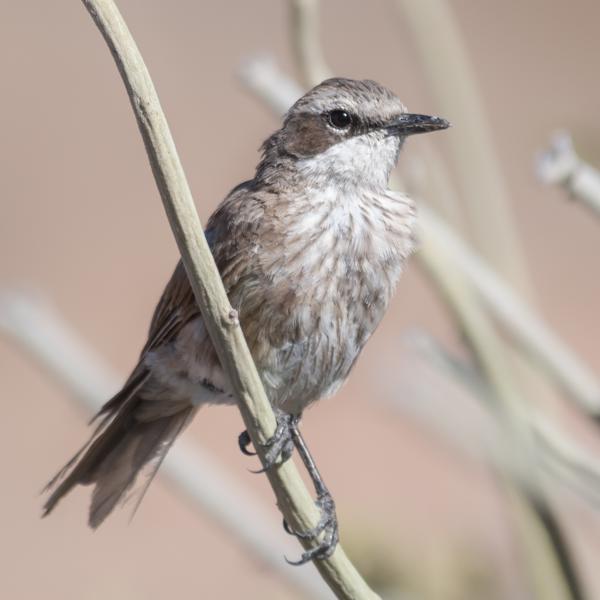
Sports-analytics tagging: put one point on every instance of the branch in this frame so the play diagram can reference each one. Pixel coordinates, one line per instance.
(446, 65)
(304, 22)
(545, 550)
(220, 319)
(560, 165)
(524, 326)
(471, 427)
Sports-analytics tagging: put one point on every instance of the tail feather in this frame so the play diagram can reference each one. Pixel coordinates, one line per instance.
(82, 467)
(132, 386)
(120, 448)
(67, 467)
(144, 445)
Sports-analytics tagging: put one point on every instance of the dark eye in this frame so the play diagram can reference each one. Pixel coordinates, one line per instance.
(340, 119)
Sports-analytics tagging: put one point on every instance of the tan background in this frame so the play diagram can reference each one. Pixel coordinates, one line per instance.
(81, 221)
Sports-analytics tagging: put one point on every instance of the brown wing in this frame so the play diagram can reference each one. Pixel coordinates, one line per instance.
(176, 307)
(229, 232)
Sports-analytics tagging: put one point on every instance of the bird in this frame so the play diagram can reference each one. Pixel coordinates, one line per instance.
(309, 251)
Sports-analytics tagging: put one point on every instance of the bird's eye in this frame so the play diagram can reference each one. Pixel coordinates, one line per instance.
(340, 119)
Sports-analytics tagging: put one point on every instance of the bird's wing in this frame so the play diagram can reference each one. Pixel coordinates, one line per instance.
(176, 307)
(230, 232)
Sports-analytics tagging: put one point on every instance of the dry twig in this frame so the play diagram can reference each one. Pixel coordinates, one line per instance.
(560, 165)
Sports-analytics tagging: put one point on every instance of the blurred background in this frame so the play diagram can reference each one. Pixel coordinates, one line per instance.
(408, 446)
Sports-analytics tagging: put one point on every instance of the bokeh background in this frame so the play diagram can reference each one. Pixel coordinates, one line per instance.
(82, 225)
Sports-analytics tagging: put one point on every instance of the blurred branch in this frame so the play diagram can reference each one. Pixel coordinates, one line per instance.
(473, 429)
(521, 484)
(220, 319)
(446, 363)
(567, 461)
(305, 41)
(445, 62)
(485, 343)
(521, 322)
(261, 75)
(192, 472)
(544, 551)
(426, 175)
(554, 575)
(560, 165)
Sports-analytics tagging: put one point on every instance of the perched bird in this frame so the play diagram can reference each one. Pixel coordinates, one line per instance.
(310, 251)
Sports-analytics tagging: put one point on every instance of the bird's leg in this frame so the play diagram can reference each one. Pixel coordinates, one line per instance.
(281, 443)
(287, 436)
(328, 520)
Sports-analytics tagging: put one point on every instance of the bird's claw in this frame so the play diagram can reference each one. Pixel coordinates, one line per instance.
(243, 442)
(327, 525)
(280, 444)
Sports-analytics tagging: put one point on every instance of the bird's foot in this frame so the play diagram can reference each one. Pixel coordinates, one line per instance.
(287, 436)
(280, 444)
(327, 525)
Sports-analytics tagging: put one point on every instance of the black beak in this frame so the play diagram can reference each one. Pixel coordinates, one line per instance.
(409, 124)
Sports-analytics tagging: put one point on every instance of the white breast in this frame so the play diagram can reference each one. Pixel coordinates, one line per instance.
(343, 258)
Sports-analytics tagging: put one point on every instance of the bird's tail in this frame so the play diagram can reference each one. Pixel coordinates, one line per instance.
(122, 446)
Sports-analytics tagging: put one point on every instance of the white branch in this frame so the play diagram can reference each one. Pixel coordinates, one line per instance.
(445, 63)
(444, 395)
(522, 323)
(560, 165)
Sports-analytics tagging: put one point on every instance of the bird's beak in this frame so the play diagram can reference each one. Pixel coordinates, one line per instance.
(409, 124)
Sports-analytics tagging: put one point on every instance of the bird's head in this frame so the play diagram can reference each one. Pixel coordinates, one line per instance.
(346, 132)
